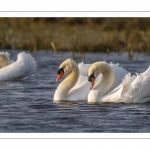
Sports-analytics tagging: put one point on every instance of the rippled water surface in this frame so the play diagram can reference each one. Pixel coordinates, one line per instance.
(27, 106)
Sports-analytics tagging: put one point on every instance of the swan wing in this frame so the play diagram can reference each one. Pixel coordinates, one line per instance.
(138, 92)
(24, 66)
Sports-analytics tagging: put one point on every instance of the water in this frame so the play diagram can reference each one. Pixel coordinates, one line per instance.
(27, 106)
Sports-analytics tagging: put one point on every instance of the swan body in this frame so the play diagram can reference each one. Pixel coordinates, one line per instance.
(133, 89)
(24, 66)
(67, 90)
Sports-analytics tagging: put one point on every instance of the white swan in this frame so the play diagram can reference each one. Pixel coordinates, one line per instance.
(133, 89)
(23, 67)
(75, 86)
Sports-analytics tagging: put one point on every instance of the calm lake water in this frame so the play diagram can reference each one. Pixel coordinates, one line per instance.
(27, 106)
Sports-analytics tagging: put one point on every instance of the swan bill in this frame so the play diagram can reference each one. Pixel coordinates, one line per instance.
(60, 73)
(92, 83)
(91, 79)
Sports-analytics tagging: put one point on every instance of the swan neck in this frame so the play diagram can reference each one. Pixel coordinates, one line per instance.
(106, 81)
(67, 84)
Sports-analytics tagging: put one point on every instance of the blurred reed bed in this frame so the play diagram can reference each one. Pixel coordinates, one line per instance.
(76, 34)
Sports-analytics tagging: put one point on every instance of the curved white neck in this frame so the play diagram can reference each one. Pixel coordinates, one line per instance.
(101, 88)
(66, 85)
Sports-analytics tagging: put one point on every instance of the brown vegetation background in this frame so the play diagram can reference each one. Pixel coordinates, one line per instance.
(76, 34)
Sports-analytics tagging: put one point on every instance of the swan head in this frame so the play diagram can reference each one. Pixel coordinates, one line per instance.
(65, 68)
(4, 61)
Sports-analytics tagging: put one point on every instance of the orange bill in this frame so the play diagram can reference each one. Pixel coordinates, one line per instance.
(92, 83)
(59, 76)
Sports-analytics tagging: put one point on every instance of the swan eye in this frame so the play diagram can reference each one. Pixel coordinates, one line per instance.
(91, 76)
(60, 70)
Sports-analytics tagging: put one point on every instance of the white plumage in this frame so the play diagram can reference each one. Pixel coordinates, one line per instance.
(24, 66)
(80, 89)
(133, 89)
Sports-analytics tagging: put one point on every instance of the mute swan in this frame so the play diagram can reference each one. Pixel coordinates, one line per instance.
(23, 67)
(75, 86)
(133, 89)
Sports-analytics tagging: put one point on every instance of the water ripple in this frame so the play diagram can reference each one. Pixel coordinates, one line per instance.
(27, 106)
